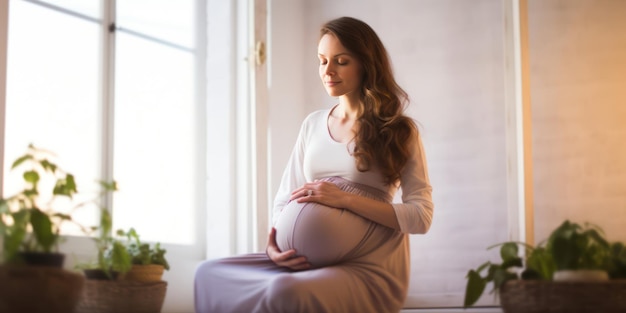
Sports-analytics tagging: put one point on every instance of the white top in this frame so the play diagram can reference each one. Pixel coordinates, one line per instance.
(316, 155)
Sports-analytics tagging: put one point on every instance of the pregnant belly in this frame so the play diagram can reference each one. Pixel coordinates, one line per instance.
(322, 234)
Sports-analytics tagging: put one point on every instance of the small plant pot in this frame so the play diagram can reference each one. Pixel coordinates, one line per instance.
(98, 274)
(581, 275)
(145, 273)
(101, 296)
(43, 259)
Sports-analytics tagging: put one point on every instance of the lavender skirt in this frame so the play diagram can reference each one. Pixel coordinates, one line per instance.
(358, 265)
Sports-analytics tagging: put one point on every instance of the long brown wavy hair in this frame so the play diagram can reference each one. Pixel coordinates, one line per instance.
(384, 133)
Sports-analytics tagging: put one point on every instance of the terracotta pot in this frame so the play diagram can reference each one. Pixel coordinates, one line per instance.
(145, 273)
(581, 275)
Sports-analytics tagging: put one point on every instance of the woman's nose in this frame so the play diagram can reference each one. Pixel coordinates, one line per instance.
(329, 69)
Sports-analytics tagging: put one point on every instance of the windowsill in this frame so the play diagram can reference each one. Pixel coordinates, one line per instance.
(455, 310)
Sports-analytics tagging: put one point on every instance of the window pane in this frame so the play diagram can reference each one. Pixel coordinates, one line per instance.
(155, 140)
(171, 21)
(52, 95)
(90, 8)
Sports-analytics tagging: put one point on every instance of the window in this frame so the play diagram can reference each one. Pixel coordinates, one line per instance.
(156, 130)
(122, 103)
(53, 91)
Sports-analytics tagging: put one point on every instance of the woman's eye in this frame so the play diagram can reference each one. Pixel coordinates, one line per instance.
(342, 62)
(323, 62)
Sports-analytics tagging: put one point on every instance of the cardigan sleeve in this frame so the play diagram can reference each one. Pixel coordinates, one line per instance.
(415, 213)
(293, 175)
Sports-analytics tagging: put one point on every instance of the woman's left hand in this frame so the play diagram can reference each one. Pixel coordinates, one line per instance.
(322, 192)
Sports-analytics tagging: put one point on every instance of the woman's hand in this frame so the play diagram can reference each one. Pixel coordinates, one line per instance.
(285, 259)
(328, 194)
(322, 192)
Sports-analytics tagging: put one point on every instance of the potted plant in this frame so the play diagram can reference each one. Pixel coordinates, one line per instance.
(113, 258)
(29, 226)
(148, 261)
(32, 274)
(531, 283)
(579, 253)
(125, 255)
(117, 280)
(139, 289)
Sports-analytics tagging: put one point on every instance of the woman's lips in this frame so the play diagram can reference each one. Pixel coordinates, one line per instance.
(330, 84)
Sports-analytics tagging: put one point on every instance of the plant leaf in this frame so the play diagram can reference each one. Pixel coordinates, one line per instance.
(48, 166)
(120, 259)
(618, 261)
(474, 288)
(64, 217)
(598, 238)
(20, 218)
(65, 186)
(541, 261)
(158, 256)
(109, 186)
(483, 266)
(491, 271)
(31, 192)
(514, 262)
(618, 250)
(31, 177)
(21, 160)
(565, 252)
(42, 227)
(4, 207)
(71, 183)
(509, 251)
(14, 235)
(105, 222)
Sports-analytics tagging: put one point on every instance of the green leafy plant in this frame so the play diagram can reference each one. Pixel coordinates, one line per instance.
(142, 253)
(617, 263)
(27, 223)
(113, 257)
(575, 246)
(119, 251)
(496, 273)
(571, 246)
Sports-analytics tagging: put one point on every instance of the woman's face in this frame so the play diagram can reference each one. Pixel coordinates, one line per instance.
(339, 70)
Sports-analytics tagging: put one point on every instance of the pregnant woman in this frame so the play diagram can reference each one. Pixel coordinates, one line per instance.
(339, 242)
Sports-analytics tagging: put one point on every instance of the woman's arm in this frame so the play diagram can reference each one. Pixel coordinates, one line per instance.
(414, 215)
(330, 195)
(293, 176)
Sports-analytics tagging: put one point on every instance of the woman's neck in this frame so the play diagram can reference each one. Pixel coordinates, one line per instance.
(347, 108)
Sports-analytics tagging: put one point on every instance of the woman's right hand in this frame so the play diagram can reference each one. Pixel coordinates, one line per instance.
(285, 259)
